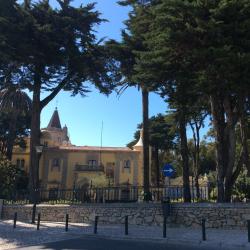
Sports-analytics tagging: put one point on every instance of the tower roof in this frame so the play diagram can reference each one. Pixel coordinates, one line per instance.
(55, 121)
(140, 142)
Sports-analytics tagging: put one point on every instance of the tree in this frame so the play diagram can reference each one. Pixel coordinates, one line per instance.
(162, 136)
(56, 50)
(126, 54)
(196, 122)
(203, 45)
(16, 104)
(11, 178)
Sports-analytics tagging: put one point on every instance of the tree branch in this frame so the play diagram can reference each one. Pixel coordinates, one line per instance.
(56, 90)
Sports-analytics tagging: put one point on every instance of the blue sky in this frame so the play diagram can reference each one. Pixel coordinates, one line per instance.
(120, 116)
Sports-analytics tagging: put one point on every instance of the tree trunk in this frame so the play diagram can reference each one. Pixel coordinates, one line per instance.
(157, 164)
(145, 144)
(219, 126)
(35, 139)
(197, 186)
(11, 137)
(243, 133)
(184, 154)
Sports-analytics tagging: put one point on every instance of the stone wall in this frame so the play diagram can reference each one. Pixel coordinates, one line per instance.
(228, 216)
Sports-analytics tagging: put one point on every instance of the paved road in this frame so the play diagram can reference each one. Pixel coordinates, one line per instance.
(91, 243)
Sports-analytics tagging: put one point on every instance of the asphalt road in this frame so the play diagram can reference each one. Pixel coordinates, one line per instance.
(90, 243)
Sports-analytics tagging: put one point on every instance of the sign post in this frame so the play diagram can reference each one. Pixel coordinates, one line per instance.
(168, 171)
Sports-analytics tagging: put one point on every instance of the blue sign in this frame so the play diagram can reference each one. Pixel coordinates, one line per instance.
(168, 170)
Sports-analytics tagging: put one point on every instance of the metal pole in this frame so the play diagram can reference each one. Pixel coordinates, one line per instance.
(248, 228)
(67, 223)
(33, 220)
(96, 223)
(203, 224)
(38, 221)
(15, 219)
(165, 227)
(126, 225)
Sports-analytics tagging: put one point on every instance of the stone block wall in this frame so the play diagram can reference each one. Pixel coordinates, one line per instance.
(227, 216)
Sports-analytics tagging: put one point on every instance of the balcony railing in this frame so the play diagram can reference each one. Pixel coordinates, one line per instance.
(82, 168)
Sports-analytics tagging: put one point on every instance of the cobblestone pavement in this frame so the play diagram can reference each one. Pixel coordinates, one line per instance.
(26, 234)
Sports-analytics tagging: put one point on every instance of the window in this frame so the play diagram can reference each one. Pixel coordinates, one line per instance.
(92, 163)
(55, 164)
(20, 163)
(126, 164)
(110, 170)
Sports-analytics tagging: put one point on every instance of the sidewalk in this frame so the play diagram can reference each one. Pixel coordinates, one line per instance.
(26, 234)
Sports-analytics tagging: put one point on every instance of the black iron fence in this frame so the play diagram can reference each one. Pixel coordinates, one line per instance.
(108, 195)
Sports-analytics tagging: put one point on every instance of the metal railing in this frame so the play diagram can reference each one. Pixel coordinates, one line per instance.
(109, 194)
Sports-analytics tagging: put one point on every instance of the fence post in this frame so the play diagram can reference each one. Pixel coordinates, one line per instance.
(126, 225)
(1, 207)
(15, 219)
(203, 224)
(33, 220)
(165, 227)
(248, 229)
(67, 223)
(96, 223)
(38, 221)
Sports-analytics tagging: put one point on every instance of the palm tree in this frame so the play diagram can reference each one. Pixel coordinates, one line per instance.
(14, 103)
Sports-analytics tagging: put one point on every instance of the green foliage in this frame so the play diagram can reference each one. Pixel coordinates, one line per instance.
(11, 178)
(57, 48)
(162, 132)
(242, 186)
(15, 118)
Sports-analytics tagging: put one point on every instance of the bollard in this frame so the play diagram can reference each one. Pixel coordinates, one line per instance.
(96, 223)
(126, 225)
(38, 221)
(67, 223)
(203, 224)
(15, 219)
(33, 220)
(248, 228)
(165, 227)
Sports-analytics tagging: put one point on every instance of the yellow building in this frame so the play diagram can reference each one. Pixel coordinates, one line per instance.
(66, 166)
